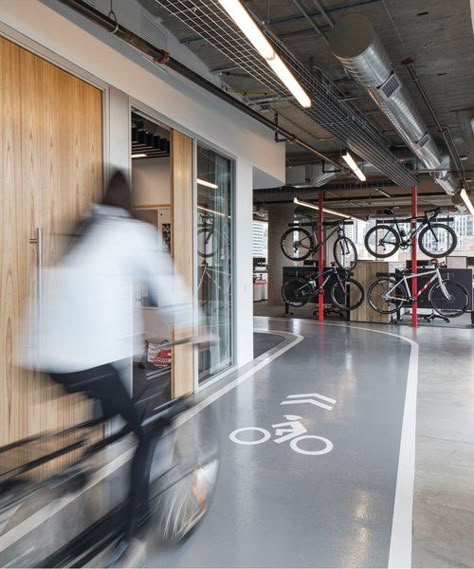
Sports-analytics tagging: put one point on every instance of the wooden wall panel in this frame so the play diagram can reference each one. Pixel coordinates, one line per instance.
(366, 272)
(51, 169)
(183, 246)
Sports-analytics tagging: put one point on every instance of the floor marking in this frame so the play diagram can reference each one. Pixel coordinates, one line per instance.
(310, 398)
(400, 552)
(22, 529)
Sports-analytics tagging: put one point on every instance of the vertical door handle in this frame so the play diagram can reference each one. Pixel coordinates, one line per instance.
(38, 241)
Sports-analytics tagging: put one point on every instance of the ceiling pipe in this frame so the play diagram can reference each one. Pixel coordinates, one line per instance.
(357, 46)
(162, 57)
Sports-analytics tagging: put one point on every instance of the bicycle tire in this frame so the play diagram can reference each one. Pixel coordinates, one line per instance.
(376, 300)
(305, 242)
(181, 496)
(345, 244)
(427, 231)
(335, 289)
(290, 292)
(450, 285)
(202, 240)
(389, 230)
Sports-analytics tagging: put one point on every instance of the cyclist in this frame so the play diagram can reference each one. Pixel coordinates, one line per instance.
(85, 324)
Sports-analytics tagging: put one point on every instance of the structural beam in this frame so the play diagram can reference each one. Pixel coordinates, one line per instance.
(321, 256)
(414, 281)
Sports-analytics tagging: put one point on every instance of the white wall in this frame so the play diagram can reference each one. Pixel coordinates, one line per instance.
(177, 102)
(151, 181)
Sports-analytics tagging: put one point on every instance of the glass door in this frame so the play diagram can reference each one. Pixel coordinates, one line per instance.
(215, 186)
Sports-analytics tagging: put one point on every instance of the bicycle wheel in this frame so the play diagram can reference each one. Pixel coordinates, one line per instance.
(181, 496)
(345, 253)
(437, 240)
(451, 302)
(207, 244)
(297, 244)
(379, 300)
(347, 294)
(382, 241)
(296, 292)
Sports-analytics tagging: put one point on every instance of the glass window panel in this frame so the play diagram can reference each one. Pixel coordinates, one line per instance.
(215, 185)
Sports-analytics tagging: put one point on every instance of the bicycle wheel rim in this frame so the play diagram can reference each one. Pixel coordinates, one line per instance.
(348, 294)
(345, 253)
(296, 244)
(206, 242)
(295, 292)
(378, 303)
(437, 241)
(382, 241)
(453, 307)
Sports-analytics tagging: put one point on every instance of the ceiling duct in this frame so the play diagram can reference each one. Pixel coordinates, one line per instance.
(338, 117)
(356, 44)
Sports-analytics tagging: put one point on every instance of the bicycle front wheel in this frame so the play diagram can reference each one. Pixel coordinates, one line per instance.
(385, 296)
(297, 244)
(345, 253)
(382, 241)
(207, 244)
(296, 292)
(347, 294)
(449, 299)
(437, 240)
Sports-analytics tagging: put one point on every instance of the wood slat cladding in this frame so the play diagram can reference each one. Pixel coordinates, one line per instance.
(183, 246)
(51, 169)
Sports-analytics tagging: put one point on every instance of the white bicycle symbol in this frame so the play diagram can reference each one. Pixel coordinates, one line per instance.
(292, 430)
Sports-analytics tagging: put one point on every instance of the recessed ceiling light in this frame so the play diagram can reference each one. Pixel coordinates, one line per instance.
(207, 184)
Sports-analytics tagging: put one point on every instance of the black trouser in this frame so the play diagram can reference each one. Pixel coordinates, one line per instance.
(104, 384)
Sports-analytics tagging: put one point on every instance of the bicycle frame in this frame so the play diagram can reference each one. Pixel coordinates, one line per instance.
(436, 275)
(405, 239)
(313, 281)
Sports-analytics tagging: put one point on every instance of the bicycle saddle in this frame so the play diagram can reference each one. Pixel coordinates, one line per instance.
(402, 271)
(388, 211)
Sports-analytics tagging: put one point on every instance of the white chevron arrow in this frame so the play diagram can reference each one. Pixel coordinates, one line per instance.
(311, 398)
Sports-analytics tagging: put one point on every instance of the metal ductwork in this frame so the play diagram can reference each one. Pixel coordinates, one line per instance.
(356, 44)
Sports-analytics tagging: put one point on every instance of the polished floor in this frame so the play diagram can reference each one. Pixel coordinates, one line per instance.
(329, 491)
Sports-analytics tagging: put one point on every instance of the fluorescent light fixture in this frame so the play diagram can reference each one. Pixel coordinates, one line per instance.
(242, 18)
(207, 184)
(326, 210)
(139, 155)
(353, 166)
(467, 200)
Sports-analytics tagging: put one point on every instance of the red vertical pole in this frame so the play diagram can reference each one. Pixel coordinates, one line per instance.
(321, 256)
(414, 281)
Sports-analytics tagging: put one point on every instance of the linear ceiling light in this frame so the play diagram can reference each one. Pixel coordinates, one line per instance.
(207, 184)
(467, 200)
(326, 210)
(139, 155)
(213, 211)
(245, 22)
(353, 166)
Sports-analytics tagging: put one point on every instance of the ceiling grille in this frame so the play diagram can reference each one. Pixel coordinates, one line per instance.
(153, 33)
(341, 119)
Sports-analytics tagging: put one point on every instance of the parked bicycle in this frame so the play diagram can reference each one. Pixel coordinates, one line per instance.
(297, 243)
(345, 293)
(447, 297)
(183, 473)
(212, 242)
(435, 239)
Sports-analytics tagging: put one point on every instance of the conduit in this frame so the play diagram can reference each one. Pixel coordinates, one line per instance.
(162, 57)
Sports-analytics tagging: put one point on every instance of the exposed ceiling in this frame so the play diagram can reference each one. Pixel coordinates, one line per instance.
(438, 36)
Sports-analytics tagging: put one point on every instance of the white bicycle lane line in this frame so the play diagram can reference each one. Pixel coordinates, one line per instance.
(400, 553)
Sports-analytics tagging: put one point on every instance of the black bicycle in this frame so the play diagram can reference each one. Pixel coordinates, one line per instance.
(183, 475)
(435, 239)
(297, 243)
(345, 293)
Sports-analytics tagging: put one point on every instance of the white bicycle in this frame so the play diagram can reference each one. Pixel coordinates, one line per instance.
(291, 430)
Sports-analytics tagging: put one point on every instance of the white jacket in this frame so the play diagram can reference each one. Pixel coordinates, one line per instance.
(86, 316)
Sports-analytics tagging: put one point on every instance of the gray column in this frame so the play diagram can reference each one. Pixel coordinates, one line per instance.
(279, 216)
